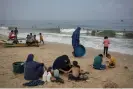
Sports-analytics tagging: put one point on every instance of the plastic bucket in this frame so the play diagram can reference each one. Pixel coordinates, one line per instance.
(79, 51)
(18, 67)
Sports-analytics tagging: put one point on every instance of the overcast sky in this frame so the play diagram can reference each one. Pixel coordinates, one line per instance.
(66, 9)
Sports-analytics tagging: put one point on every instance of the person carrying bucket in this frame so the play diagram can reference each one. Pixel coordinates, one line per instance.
(76, 39)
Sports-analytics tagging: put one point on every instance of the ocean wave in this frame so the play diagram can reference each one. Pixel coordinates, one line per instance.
(117, 44)
(71, 30)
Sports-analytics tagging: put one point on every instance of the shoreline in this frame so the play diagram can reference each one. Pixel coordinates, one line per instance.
(4, 37)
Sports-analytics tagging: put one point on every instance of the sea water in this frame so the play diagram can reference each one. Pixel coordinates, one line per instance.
(121, 45)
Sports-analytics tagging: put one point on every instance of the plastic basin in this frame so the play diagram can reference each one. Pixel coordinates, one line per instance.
(18, 67)
(80, 51)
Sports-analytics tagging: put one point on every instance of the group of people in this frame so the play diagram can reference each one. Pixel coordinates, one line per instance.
(34, 70)
(97, 64)
(31, 39)
(62, 65)
(98, 59)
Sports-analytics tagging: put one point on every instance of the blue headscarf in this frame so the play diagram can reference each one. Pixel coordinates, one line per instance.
(75, 37)
(30, 58)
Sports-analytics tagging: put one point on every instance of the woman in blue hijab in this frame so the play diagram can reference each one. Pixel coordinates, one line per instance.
(33, 70)
(76, 38)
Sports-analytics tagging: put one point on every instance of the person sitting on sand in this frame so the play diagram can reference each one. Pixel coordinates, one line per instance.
(98, 63)
(112, 61)
(41, 38)
(76, 72)
(35, 40)
(33, 70)
(28, 40)
(62, 63)
(31, 37)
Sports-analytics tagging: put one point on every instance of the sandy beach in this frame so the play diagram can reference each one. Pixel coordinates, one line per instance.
(50, 51)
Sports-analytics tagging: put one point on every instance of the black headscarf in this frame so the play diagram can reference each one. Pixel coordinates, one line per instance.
(61, 62)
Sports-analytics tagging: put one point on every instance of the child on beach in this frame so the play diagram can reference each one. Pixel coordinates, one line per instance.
(41, 38)
(112, 61)
(97, 64)
(106, 43)
(76, 72)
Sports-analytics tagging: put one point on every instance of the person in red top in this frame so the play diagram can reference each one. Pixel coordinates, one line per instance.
(11, 35)
(106, 43)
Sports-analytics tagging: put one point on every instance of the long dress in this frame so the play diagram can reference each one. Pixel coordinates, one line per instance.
(76, 38)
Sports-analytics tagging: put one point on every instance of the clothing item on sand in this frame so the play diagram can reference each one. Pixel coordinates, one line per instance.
(34, 83)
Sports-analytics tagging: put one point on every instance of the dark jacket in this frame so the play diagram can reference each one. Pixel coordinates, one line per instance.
(32, 70)
(62, 62)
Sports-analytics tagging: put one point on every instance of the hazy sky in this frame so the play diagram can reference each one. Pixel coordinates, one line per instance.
(66, 9)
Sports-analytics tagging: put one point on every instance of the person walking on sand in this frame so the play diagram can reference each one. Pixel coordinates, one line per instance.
(76, 38)
(41, 38)
(106, 43)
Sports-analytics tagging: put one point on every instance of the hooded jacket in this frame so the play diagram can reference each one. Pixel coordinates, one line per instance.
(32, 69)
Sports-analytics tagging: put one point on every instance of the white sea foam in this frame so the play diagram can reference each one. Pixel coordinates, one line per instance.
(71, 30)
(117, 44)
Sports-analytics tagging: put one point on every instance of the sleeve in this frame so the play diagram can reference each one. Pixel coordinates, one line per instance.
(38, 65)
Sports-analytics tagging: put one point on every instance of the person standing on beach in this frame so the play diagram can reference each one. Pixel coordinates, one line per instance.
(106, 43)
(41, 38)
(16, 31)
(76, 38)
